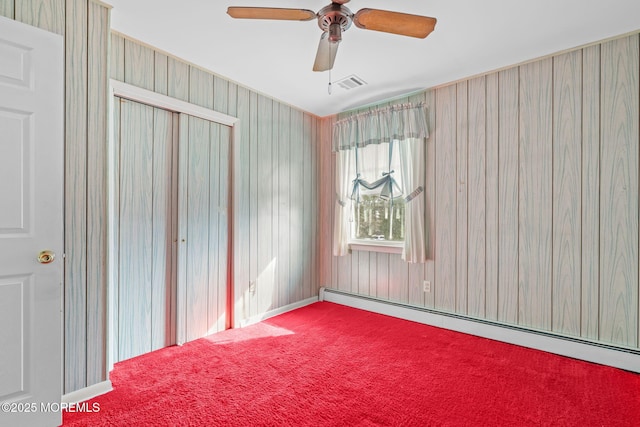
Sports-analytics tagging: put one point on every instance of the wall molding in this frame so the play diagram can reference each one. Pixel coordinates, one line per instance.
(144, 96)
(277, 311)
(627, 359)
(87, 393)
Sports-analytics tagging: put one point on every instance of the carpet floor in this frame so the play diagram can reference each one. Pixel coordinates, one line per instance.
(330, 365)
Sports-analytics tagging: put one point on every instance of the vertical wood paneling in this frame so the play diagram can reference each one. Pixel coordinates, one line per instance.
(241, 207)
(492, 168)
(275, 206)
(114, 226)
(535, 184)
(174, 321)
(97, 83)
(373, 274)
(139, 65)
(178, 79)
(233, 134)
(430, 198)
(7, 8)
(200, 87)
(382, 276)
(619, 192)
(296, 209)
(590, 247)
(160, 73)
(116, 61)
(327, 203)
(135, 227)
(183, 227)
(162, 223)
(282, 198)
(398, 279)
(462, 152)
(508, 155)
(215, 289)
(253, 201)
(221, 95)
(415, 280)
(446, 208)
(197, 266)
(343, 268)
(476, 219)
(532, 173)
(362, 285)
(306, 196)
(266, 284)
(221, 286)
(144, 282)
(46, 14)
(311, 207)
(114, 249)
(76, 96)
(567, 188)
(355, 272)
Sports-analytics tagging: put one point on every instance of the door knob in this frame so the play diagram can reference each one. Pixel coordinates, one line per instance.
(46, 257)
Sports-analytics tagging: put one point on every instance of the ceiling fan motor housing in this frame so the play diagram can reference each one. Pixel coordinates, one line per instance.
(334, 19)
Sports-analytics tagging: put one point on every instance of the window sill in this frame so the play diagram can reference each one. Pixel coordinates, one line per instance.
(371, 246)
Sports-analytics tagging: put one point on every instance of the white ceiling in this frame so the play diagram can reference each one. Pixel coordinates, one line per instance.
(276, 57)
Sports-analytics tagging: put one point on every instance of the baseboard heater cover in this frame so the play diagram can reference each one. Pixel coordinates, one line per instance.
(618, 357)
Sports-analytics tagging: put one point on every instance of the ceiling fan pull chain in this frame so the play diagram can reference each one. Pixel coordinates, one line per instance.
(329, 88)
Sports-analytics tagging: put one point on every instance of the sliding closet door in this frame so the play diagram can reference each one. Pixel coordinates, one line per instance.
(144, 225)
(203, 228)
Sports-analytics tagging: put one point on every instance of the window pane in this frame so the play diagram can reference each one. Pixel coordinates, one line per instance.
(373, 218)
(373, 161)
(378, 219)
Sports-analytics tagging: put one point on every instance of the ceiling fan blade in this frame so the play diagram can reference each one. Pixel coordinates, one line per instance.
(403, 24)
(271, 13)
(326, 55)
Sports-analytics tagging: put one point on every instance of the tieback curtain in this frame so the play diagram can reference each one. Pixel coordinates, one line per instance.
(406, 125)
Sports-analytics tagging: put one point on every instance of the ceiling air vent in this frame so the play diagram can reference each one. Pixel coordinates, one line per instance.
(351, 82)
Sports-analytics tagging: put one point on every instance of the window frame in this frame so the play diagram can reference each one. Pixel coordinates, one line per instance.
(382, 246)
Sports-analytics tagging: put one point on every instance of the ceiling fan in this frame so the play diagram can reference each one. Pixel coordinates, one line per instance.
(336, 18)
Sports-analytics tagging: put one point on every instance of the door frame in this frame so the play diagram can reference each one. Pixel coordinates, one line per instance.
(154, 99)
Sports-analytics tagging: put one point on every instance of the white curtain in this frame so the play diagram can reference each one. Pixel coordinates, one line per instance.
(413, 171)
(406, 124)
(341, 226)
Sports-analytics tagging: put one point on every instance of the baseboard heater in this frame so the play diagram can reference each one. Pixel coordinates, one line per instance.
(619, 357)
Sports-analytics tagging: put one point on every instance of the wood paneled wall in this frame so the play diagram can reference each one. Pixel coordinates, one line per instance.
(85, 25)
(274, 170)
(282, 140)
(532, 199)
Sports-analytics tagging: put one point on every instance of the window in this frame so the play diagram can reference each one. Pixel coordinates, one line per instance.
(380, 197)
(377, 219)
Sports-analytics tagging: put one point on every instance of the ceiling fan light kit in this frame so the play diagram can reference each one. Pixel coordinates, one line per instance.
(336, 18)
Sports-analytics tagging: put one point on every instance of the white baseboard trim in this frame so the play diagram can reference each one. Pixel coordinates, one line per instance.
(87, 392)
(277, 311)
(627, 359)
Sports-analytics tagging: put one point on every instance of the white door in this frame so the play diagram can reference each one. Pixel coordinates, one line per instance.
(31, 221)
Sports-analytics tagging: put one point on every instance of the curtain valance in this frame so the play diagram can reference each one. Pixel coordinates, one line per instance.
(396, 122)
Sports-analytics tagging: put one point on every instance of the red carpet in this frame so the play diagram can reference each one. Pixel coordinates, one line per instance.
(329, 365)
